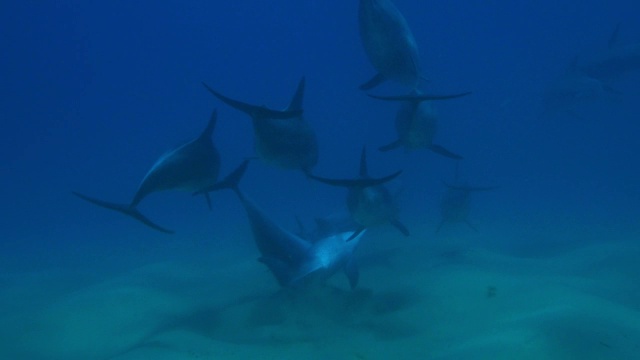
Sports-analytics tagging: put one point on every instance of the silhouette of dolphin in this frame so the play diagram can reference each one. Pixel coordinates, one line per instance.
(370, 203)
(614, 62)
(293, 260)
(282, 138)
(189, 167)
(455, 204)
(416, 122)
(388, 43)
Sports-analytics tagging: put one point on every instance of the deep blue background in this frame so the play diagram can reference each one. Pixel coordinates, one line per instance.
(93, 92)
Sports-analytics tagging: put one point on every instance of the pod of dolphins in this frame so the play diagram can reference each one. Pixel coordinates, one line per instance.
(284, 139)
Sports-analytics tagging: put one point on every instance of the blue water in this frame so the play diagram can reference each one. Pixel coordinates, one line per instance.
(93, 92)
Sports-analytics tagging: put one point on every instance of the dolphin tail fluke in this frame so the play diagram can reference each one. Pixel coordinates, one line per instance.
(298, 97)
(444, 152)
(420, 97)
(256, 112)
(400, 226)
(352, 272)
(613, 38)
(362, 183)
(373, 82)
(125, 209)
(394, 145)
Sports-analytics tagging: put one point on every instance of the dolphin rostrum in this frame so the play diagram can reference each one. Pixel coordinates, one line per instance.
(282, 138)
(416, 122)
(388, 43)
(368, 200)
(295, 261)
(189, 167)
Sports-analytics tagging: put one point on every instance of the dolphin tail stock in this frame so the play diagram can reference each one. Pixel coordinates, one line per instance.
(376, 80)
(420, 97)
(444, 152)
(125, 209)
(256, 112)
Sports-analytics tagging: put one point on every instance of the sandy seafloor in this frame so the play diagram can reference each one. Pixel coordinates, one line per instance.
(423, 297)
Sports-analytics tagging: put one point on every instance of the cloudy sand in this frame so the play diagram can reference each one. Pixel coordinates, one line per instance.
(457, 303)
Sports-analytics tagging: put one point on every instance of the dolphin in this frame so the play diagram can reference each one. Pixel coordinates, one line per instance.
(417, 123)
(388, 43)
(370, 203)
(455, 204)
(616, 61)
(293, 260)
(282, 138)
(189, 167)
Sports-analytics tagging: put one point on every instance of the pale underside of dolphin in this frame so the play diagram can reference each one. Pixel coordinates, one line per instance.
(294, 261)
(368, 200)
(189, 167)
(416, 122)
(388, 43)
(282, 138)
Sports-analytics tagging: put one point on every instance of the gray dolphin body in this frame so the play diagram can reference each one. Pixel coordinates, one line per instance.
(417, 123)
(388, 43)
(615, 62)
(282, 138)
(189, 167)
(368, 200)
(455, 204)
(293, 260)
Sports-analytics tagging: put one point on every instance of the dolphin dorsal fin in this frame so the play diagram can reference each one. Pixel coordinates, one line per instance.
(298, 97)
(208, 131)
(364, 172)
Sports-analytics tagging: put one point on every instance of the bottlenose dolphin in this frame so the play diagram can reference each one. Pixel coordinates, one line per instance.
(388, 43)
(282, 138)
(370, 204)
(417, 123)
(189, 167)
(616, 61)
(455, 204)
(292, 260)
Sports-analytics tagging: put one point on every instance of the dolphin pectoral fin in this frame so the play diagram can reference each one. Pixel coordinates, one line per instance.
(256, 112)
(400, 226)
(394, 145)
(357, 233)
(125, 209)
(444, 152)
(208, 198)
(362, 182)
(351, 271)
(376, 80)
(419, 98)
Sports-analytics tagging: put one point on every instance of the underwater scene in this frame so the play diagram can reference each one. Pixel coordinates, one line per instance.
(371, 179)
